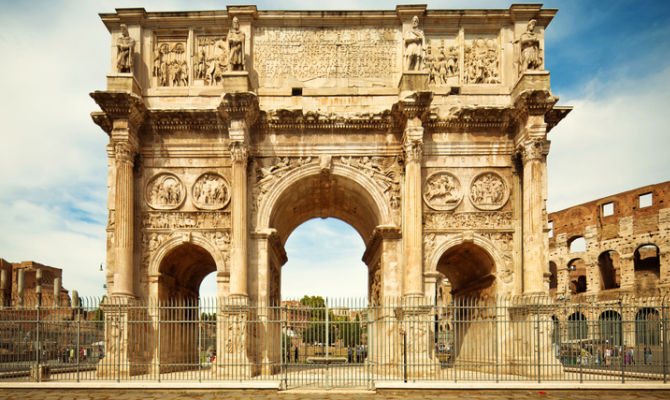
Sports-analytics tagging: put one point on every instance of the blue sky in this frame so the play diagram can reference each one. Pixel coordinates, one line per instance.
(610, 60)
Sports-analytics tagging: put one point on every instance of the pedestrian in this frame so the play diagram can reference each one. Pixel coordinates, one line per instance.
(288, 355)
(72, 355)
(358, 354)
(647, 354)
(349, 354)
(295, 358)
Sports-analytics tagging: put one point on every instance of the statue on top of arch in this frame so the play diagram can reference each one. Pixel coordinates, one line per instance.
(531, 56)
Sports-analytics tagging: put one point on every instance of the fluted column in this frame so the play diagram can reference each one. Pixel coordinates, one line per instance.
(238, 272)
(412, 228)
(535, 248)
(124, 279)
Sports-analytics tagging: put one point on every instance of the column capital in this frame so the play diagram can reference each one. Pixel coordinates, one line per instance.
(533, 149)
(413, 150)
(239, 152)
(125, 152)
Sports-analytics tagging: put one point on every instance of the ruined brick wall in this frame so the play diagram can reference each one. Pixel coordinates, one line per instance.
(627, 245)
(49, 274)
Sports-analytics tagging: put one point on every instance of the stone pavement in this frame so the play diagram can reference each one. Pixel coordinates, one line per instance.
(179, 394)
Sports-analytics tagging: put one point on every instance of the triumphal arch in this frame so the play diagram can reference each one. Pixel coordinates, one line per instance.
(423, 129)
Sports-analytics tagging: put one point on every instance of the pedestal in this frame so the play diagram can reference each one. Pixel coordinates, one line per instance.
(125, 82)
(418, 342)
(233, 341)
(413, 81)
(236, 81)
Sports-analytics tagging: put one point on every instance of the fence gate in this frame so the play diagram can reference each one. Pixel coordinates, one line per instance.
(324, 344)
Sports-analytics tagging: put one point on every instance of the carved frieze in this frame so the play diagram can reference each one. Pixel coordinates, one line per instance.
(165, 192)
(482, 61)
(469, 220)
(384, 171)
(488, 191)
(442, 63)
(296, 119)
(267, 176)
(169, 64)
(442, 191)
(305, 53)
(167, 220)
(504, 242)
(210, 192)
(211, 59)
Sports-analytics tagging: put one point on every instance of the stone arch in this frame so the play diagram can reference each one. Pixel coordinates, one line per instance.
(611, 328)
(363, 185)
(173, 243)
(501, 267)
(577, 275)
(578, 328)
(647, 327)
(647, 268)
(608, 266)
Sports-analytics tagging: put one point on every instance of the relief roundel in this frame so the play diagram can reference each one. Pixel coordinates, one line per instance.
(210, 192)
(442, 191)
(488, 191)
(165, 192)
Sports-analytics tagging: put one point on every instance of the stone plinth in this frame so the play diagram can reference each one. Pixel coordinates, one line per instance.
(233, 341)
(413, 81)
(236, 81)
(125, 82)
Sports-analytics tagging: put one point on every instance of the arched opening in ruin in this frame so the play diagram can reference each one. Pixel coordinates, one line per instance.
(578, 328)
(577, 244)
(553, 278)
(471, 271)
(647, 267)
(556, 333)
(577, 276)
(608, 265)
(647, 327)
(183, 328)
(610, 327)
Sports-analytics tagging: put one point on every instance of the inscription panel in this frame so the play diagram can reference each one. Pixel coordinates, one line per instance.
(312, 55)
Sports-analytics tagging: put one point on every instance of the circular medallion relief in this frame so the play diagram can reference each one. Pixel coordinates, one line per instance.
(210, 191)
(165, 192)
(488, 191)
(442, 191)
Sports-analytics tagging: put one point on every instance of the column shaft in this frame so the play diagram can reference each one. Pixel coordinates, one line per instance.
(534, 244)
(123, 222)
(412, 227)
(238, 271)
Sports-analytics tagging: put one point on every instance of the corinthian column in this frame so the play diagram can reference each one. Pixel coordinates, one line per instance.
(535, 248)
(412, 228)
(124, 155)
(238, 271)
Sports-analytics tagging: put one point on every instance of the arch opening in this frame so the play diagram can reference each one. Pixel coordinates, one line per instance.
(611, 327)
(610, 275)
(647, 327)
(577, 276)
(578, 329)
(553, 278)
(647, 266)
(181, 272)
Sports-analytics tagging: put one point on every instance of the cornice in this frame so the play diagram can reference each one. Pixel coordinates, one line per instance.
(556, 115)
(121, 105)
(101, 119)
(166, 121)
(240, 105)
(473, 117)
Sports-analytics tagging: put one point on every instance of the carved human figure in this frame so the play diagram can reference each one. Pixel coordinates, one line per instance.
(488, 190)
(210, 192)
(530, 48)
(442, 191)
(165, 192)
(414, 46)
(124, 51)
(236, 47)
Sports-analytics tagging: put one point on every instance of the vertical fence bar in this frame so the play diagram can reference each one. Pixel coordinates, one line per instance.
(623, 374)
(78, 316)
(663, 340)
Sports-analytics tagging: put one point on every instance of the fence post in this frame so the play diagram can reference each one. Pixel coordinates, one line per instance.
(664, 339)
(78, 315)
(537, 340)
(197, 310)
(579, 330)
(621, 357)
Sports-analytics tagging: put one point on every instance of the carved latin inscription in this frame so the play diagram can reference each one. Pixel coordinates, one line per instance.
(165, 192)
(442, 191)
(488, 191)
(311, 53)
(210, 192)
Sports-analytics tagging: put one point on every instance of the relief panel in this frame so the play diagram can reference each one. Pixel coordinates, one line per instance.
(210, 192)
(442, 60)
(488, 191)
(170, 66)
(481, 59)
(165, 192)
(211, 59)
(442, 191)
(314, 55)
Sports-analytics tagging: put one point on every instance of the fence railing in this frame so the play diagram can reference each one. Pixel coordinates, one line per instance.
(330, 343)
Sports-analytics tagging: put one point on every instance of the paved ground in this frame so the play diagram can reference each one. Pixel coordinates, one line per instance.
(139, 394)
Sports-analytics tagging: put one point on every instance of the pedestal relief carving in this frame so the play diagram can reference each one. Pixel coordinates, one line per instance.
(211, 60)
(305, 54)
(165, 192)
(442, 191)
(414, 41)
(124, 51)
(170, 66)
(482, 61)
(210, 192)
(529, 43)
(488, 191)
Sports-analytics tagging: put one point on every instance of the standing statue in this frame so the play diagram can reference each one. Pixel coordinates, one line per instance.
(236, 47)
(414, 44)
(530, 48)
(124, 51)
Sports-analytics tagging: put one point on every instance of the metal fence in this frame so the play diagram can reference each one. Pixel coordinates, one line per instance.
(327, 343)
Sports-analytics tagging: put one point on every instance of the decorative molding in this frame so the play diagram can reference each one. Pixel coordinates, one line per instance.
(298, 119)
(167, 121)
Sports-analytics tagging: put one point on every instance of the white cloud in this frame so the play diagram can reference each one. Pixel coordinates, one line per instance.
(614, 140)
